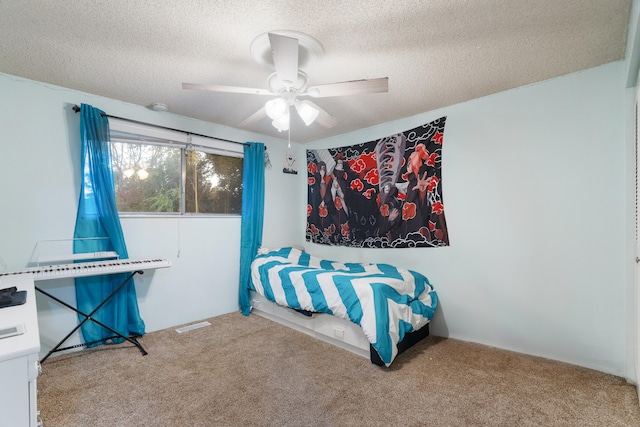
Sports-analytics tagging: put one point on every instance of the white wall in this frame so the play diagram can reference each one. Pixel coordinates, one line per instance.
(535, 201)
(39, 162)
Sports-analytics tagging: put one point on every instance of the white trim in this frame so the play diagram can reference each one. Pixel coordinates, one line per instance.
(637, 243)
(222, 147)
(133, 132)
(118, 126)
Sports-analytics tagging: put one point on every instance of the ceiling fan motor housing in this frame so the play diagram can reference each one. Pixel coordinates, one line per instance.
(277, 86)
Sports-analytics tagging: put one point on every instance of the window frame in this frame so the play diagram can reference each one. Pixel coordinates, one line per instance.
(131, 132)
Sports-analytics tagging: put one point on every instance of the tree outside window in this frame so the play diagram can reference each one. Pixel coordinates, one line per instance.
(149, 179)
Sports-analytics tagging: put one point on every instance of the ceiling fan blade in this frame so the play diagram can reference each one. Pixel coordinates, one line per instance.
(324, 119)
(258, 115)
(285, 58)
(349, 88)
(228, 89)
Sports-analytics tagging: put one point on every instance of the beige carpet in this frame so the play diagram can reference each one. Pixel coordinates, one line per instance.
(249, 371)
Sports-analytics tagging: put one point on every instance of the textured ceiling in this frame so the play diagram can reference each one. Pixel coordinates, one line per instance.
(435, 53)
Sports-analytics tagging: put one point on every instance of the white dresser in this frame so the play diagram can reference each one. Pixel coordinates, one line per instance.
(19, 364)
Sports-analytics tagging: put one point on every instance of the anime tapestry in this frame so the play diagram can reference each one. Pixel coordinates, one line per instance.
(379, 194)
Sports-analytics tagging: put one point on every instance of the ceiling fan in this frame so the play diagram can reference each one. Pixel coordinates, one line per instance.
(286, 52)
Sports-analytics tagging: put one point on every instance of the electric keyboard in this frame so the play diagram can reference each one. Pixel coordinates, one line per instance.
(93, 268)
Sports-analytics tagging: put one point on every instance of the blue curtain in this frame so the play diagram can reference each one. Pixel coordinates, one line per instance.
(98, 229)
(252, 216)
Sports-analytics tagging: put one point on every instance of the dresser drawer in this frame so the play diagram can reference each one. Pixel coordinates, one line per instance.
(340, 330)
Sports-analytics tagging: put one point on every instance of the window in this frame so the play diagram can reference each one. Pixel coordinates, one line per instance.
(162, 171)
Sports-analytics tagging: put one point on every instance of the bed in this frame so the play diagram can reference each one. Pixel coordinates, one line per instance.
(392, 306)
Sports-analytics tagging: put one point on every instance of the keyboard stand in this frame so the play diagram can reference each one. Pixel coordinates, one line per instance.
(132, 340)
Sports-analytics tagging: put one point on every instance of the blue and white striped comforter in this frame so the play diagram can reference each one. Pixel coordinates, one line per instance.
(387, 302)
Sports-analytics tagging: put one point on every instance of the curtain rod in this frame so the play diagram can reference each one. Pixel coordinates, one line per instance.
(77, 110)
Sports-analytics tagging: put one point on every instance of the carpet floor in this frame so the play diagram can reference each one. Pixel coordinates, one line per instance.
(250, 371)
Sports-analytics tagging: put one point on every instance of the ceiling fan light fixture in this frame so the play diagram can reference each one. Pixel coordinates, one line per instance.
(282, 122)
(308, 113)
(287, 53)
(275, 108)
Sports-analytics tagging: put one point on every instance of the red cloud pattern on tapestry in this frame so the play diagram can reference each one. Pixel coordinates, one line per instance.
(383, 193)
